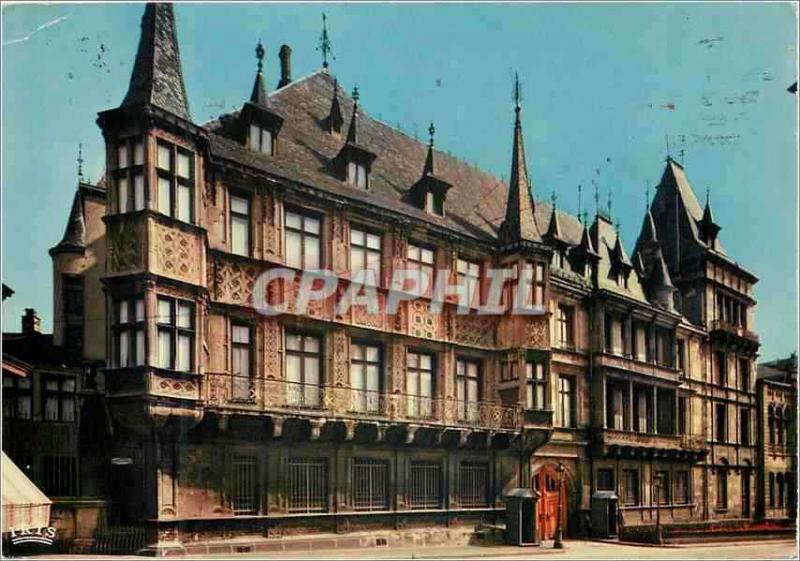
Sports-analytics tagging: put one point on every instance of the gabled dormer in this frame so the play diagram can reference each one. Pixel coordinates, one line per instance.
(430, 192)
(259, 125)
(353, 164)
(556, 239)
(584, 256)
(621, 264)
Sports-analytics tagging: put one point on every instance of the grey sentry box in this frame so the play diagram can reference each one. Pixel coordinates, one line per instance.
(521, 507)
(604, 514)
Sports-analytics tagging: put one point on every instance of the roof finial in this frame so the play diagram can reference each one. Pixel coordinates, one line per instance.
(647, 196)
(580, 192)
(324, 42)
(260, 56)
(666, 139)
(80, 162)
(608, 199)
(517, 94)
(553, 198)
(431, 132)
(708, 195)
(355, 94)
(596, 196)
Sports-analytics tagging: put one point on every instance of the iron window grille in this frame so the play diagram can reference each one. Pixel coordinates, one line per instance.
(60, 476)
(129, 332)
(175, 334)
(425, 485)
(303, 370)
(175, 176)
(370, 480)
(473, 484)
(244, 496)
(722, 489)
(308, 485)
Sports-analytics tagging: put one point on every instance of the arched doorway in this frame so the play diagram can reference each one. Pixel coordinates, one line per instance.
(545, 481)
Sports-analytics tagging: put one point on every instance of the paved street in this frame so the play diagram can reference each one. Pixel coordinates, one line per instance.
(575, 549)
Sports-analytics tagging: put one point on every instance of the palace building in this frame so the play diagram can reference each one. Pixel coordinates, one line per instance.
(638, 379)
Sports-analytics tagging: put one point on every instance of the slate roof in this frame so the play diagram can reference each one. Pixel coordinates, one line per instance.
(157, 77)
(75, 233)
(475, 205)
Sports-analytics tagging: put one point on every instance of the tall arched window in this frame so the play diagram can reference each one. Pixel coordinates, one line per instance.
(779, 426)
(771, 422)
(781, 491)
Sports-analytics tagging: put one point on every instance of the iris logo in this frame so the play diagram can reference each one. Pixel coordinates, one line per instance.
(44, 535)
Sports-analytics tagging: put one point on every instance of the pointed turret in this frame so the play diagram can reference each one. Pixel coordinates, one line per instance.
(157, 78)
(554, 227)
(708, 228)
(335, 118)
(586, 245)
(74, 239)
(352, 130)
(519, 224)
(430, 192)
(259, 94)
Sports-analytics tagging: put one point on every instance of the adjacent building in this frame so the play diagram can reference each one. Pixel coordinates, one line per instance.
(636, 378)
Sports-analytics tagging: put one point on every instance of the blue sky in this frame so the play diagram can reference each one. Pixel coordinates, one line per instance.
(600, 82)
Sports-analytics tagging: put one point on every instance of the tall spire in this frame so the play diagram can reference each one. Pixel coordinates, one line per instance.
(80, 163)
(335, 119)
(324, 42)
(519, 223)
(157, 78)
(352, 130)
(429, 163)
(259, 95)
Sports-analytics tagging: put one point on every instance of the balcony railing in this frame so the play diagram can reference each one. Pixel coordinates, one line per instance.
(229, 391)
(734, 330)
(687, 442)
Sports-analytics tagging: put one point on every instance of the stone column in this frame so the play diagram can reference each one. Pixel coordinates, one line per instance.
(655, 409)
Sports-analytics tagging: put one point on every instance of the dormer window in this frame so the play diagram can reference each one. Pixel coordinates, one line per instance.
(357, 175)
(434, 204)
(261, 140)
(430, 191)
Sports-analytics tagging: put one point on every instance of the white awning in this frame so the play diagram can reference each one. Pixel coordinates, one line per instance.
(24, 505)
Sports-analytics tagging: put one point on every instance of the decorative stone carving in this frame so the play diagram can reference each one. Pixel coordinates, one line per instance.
(175, 253)
(217, 389)
(474, 330)
(271, 234)
(233, 282)
(183, 389)
(536, 332)
(423, 323)
(398, 350)
(341, 358)
(125, 242)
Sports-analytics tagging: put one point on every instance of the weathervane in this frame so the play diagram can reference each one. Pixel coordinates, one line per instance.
(260, 56)
(580, 190)
(517, 93)
(431, 132)
(324, 42)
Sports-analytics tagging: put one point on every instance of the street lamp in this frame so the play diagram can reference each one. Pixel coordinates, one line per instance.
(658, 484)
(557, 542)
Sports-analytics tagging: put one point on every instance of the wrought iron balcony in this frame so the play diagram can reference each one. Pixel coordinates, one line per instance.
(226, 391)
(643, 444)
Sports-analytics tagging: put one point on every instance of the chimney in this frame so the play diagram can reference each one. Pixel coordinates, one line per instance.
(31, 322)
(285, 55)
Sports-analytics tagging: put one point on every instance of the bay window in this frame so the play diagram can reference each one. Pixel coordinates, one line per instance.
(59, 396)
(175, 183)
(129, 333)
(129, 175)
(175, 326)
(536, 385)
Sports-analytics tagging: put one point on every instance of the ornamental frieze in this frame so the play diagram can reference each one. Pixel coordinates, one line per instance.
(175, 253)
(126, 245)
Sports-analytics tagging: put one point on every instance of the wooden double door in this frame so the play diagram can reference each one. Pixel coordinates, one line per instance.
(545, 481)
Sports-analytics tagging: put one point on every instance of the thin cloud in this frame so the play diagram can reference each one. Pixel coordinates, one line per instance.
(37, 30)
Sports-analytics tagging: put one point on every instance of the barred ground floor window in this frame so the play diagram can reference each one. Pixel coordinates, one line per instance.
(308, 485)
(473, 488)
(630, 486)
(60, 476)
(244, 495)
(425, 484)
(370, 481)
(682, 491)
